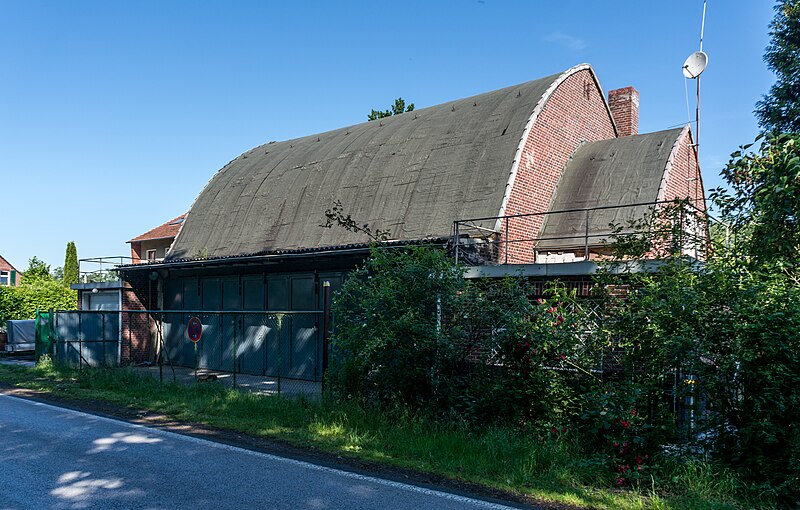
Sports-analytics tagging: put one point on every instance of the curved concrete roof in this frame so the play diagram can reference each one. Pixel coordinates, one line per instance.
(619, 171)
(412, 174)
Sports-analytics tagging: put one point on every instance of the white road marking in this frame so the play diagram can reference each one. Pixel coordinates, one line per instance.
(294, 462)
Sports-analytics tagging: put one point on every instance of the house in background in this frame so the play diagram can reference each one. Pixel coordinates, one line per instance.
(9, 276)
(106, 293)
(495, 172)
(152, 246)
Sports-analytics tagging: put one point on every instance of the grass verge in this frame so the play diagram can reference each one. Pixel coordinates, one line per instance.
(545, 468)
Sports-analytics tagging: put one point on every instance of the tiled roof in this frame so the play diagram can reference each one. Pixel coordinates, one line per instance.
(167, 230)
(6, 265)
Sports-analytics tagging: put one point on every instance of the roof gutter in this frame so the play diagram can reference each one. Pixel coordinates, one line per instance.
(249, 259)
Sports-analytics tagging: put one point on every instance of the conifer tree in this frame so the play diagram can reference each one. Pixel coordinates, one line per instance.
(71, 271)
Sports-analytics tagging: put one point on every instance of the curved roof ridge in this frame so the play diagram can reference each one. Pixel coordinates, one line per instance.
(662, 187)
(411, 174)
(615, 172)
(532, 120)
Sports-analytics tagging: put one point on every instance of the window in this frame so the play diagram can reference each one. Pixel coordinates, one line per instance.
(151, 255)
(5, 278)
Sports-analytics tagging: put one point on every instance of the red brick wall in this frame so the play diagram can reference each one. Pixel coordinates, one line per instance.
(683, 179)
(624, 104)
(575, 112)
(138, 329)
(136, 251)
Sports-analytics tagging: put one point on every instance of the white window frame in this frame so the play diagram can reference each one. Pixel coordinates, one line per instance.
(154, 257)
(5, 278)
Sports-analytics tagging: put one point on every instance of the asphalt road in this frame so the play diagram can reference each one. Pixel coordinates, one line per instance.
(57, 458)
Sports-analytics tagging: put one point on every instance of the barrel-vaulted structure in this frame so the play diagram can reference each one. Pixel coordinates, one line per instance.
(495, 162)
(413, 174)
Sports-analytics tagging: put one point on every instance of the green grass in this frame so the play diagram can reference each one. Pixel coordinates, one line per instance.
(545, 468)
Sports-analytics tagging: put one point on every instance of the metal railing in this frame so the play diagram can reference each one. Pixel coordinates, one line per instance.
(101, 269)
(583, 234)
(274, 352)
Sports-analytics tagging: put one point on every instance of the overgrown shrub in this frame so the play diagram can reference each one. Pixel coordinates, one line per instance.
(38, 291)
(712, 352)
(411, 332)
(392, 345)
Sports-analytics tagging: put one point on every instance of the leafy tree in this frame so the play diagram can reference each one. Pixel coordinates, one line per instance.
(779, 110)
(397, 108)
(37, 270)
(763, 203)
(71, 271)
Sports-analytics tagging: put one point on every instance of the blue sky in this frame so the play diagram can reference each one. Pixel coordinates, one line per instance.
(114, 115)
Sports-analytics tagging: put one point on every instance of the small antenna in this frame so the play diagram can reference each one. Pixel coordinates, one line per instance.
(693, 67)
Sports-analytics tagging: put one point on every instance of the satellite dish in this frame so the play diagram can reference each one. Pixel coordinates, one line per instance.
(695, 64)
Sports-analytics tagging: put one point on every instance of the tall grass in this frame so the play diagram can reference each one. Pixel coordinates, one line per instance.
(547, 466)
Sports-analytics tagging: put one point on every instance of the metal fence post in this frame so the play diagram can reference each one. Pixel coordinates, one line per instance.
(55, 344)
(457, 246)
(235, 349)
(103, 335)
(506, 233)
(80, 340)
(280, 347)
(326, 330)
(130, 341)
(160, 343)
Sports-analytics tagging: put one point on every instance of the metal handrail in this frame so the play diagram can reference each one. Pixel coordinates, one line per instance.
(503, 234)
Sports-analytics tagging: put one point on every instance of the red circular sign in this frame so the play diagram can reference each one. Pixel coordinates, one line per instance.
(194, 329)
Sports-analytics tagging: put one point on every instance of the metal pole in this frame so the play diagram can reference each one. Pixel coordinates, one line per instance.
(697, 117)
(280, 348)
(149, 328)
(159, 324)
(506, 234)
(235, 351)
(697, 121)
(80, 341)
(103, 330)
(457, 243)
(55, 344)
(51, 326)
(326, 328)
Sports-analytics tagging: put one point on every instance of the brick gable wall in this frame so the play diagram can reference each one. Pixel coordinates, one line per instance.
(575, 113)
(682, 179)
(138, 329)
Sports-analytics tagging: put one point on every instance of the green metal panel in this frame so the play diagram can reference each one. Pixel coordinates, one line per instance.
(278, 292)
(191, 294)
(174, 325)
(253, 350)
(173, 294)
(211, 341)
(191, 301)
(231, 330)
(336, 279)
(277, 340)
(44, 341)
(277, 347)
(303, 328)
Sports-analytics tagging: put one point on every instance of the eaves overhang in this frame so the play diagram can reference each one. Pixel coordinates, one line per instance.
(277, 256)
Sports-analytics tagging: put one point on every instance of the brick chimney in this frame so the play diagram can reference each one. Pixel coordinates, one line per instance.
(624, 105)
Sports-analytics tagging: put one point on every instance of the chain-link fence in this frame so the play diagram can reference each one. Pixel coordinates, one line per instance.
(271, 352)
